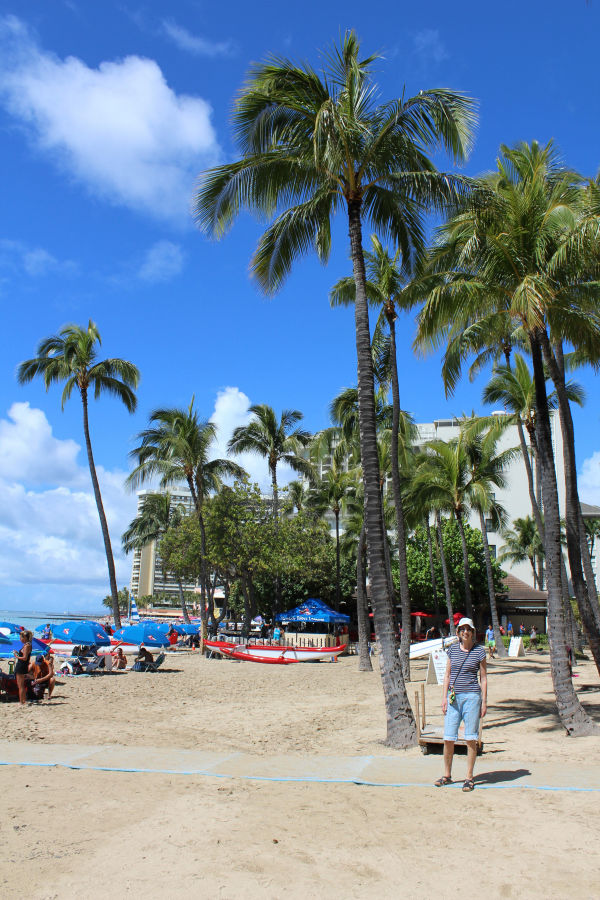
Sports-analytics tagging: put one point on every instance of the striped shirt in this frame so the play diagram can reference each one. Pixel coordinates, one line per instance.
(467, 681)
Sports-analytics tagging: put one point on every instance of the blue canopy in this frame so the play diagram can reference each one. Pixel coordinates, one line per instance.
(88, 633)
(165, 627)
(145, 633)
(10, 643)
(313, 611)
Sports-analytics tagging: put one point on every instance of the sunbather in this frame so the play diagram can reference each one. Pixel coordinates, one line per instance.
(120, 660)
(43, 677)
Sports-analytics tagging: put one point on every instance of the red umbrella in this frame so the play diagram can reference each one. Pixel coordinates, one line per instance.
(423, 615)
(457, 617)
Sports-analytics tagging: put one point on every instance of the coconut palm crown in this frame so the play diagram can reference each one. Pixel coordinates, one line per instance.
(71, 357)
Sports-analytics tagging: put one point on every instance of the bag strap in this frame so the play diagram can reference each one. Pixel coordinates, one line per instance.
(461, 665)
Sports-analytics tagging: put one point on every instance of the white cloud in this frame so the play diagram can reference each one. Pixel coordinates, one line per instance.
(49, 529)
(588, 480)
(15, 256)
(195, 44)
(118, 129)
(231, 411)
(163, 261)
(429, 47)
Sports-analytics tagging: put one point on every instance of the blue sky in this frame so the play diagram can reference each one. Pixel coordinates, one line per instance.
(108, 112)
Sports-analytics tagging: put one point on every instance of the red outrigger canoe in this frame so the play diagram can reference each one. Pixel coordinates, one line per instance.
(274, 654)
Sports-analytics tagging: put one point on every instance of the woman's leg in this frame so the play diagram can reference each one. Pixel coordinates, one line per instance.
(471, 757)
(22, 689)
(448, 757)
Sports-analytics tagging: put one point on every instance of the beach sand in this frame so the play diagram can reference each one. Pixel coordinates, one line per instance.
(154, 835)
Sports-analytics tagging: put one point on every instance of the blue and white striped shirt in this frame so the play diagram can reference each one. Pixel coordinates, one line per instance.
(467, 682)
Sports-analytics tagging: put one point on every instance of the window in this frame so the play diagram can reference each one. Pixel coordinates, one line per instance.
(489, 525)
(493, 551)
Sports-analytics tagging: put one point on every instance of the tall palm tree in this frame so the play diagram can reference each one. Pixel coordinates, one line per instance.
(71, 357)
(311, 146)
(329, 494)
(444, 478)
(354, 540)
(176, 449)
(157, 515)
(384, 287)
(487, 467)
(276, 441)
(516, 250)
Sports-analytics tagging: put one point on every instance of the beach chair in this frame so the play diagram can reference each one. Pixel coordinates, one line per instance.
(154, 667)
(91, 666)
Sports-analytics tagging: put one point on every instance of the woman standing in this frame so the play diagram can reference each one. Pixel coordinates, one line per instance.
(464, 699)
(22, 665)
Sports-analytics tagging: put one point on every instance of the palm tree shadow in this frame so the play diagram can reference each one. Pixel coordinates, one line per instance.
(512, 712)
(500, 776)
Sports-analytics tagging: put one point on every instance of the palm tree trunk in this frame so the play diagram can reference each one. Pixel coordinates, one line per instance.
(438, 522)
(401, 729)
(184, 609)
(590, 578)
(338, 595)
(466, 566)
(491, 590)
(535, 505)
(571, 713)
(276, 607)
(110, 562)
(573, 507)
(436, 603)
(398, 506)
(362, 616)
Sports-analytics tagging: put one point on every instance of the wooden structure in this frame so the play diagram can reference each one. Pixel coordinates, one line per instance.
(429, 736)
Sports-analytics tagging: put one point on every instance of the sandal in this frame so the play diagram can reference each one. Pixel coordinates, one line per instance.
(468, 786)
(443, 781)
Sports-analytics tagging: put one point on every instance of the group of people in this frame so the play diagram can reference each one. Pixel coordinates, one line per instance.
(36, 674)
(490, 638)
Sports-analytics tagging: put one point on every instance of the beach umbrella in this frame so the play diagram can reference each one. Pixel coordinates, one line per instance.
(85, 633)
(11, 643)
(456, 617)
(145, 633)
(53, 626)
(192, 628)
(165, 626)
(422, 615)
(10, 628)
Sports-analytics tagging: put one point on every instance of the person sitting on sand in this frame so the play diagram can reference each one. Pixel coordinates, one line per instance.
(463, 699)
(43, 678)
(144, 656)
(120, 660)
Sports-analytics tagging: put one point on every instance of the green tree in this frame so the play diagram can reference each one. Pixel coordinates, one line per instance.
(157, 515)
(312, 145)
(519, 249)
(71, 357)
(329, 494)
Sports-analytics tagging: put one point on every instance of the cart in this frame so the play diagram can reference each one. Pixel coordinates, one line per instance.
(430, 736)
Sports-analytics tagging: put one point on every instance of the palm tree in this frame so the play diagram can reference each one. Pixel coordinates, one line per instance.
(315, 144)
(329, 494)
(157, 515)
(354, 541)
(175, 449)
(275, 441)
(487, 466)
(71, 357)
(297, 495)
(522, 543)
(444, 478)
(516, 250)
(384, 287)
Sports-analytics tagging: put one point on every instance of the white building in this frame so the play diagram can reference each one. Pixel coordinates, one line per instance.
(147, 575)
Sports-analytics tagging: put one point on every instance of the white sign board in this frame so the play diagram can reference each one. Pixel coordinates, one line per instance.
(436, 668)
(515, 648)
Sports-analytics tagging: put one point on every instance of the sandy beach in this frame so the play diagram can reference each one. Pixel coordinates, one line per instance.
(150, 835)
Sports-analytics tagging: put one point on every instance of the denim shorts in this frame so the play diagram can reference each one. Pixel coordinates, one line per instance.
(466, 708)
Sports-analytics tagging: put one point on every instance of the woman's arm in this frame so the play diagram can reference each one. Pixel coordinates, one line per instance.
(445, 687)
(483, 680)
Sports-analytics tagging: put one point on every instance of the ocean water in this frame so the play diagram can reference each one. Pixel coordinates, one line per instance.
(30, 619)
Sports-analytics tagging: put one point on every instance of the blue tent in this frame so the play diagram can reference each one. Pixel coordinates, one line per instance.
(313, 611)
(82, 632)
